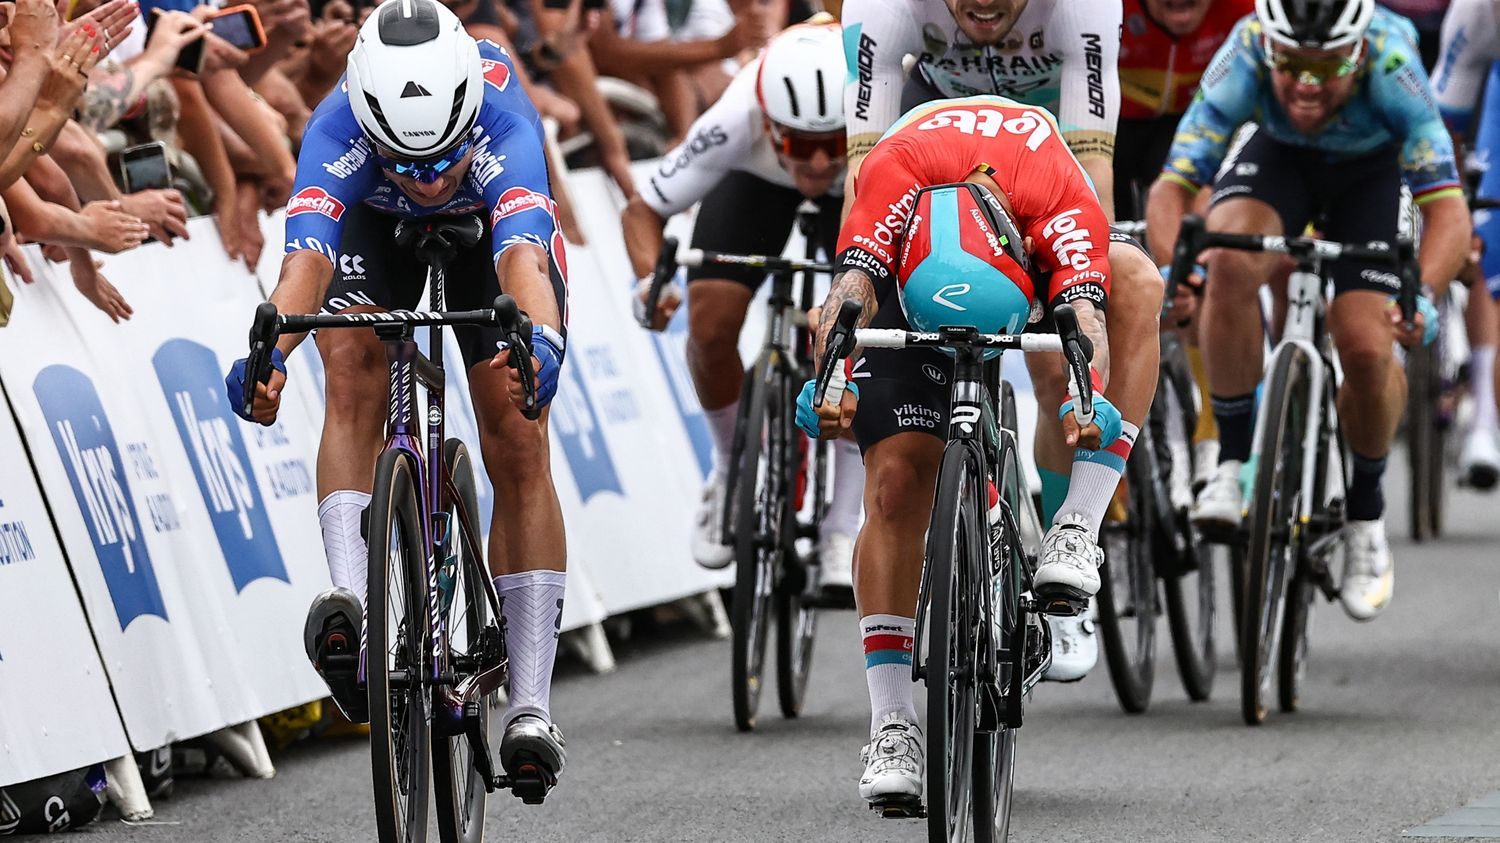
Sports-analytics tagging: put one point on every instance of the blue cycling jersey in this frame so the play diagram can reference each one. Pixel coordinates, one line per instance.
(507, 179)
(1392, 106)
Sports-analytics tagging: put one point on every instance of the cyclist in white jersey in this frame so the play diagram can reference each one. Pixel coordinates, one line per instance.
(1469, 54)
(1062, 55)
(775, 137)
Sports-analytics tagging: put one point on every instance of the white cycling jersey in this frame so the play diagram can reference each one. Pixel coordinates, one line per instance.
(730, 135)
(1471, 43)
(1062, 55)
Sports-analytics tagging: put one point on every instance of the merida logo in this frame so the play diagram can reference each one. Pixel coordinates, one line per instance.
(865, 60)
(1094, 59)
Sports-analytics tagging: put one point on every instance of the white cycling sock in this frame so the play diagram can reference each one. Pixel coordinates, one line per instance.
(1482, 382)
(348, 561)
(531, 603)
(888, 648)
(1091, 486)
(848, 490)
(721, 425)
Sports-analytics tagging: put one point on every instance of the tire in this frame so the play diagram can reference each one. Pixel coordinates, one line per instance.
(957, 519)
(995, 752)
(1127, 591)
(395, 640)
(797, 624)
(1424, 444)
(1291, 668)
(1271, 557)
(1191, 588)
(458, 789)
(760, 516)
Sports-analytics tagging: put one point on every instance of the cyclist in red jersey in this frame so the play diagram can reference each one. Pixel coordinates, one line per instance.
(897, 401)
(1164, 47)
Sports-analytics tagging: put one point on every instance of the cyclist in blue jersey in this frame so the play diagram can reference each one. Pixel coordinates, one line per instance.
(427, 122)
(1470, 52)
(1342, 114)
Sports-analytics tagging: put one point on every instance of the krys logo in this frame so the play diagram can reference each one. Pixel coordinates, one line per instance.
(189, 375)
(91, 457)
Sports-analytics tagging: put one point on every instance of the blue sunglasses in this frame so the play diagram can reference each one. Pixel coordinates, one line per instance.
(427, 171)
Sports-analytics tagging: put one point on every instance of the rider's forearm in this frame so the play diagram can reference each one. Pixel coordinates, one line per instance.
(1446, 233)
(1101, 171)
(643, 235)
(1091, 324)
(524, 276)
(853, 285)
(305, 276)
(1166, 204)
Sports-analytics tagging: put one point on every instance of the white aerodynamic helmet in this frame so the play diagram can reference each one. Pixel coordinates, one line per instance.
(801, 80)
(415, 82)
(1315, 24)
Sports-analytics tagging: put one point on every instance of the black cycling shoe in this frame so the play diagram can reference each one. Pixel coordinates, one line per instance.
(332, 638)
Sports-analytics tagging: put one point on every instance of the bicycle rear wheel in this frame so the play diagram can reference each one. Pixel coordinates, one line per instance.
(955, 556)
(1425, 443)
(458, 789)
(395, 644)
(1272, 553)
(796, 623)
(1127, 594)
(761, 500)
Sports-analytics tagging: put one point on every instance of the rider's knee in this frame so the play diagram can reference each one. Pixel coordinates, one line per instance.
(1366, 364)
(1137, 288)
(714, 330)
(515, 450)
(895, 482)
(357, 373)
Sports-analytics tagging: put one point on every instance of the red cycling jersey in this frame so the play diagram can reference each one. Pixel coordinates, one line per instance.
(1158, 73)
(944, 142)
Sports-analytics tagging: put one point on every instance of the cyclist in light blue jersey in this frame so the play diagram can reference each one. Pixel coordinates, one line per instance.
(1340, 114)
(1470, 52)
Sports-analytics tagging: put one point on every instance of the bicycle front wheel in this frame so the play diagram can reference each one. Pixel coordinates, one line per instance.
(1424, 442)
(955, 556)
(796, 622)
(1127, 594)
(761, 501)
(458, 788)
(395, 643)
(1272, 553)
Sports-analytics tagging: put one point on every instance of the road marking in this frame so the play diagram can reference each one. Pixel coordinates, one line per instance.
(1480, 818)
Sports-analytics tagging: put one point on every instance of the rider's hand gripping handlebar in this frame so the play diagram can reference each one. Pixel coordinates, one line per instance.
(839, 346)
(1078, 350)
(666, 268)
(263, 332)
(515, 326)
(1185, 254)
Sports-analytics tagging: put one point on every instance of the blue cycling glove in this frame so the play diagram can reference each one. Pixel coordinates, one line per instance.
(1105, 415)
(234, 382)
(547, 348)
(1430, 318)
(807, 416)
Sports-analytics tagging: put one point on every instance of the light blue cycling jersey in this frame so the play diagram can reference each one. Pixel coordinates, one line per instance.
(1392, 106)
(1470, 52)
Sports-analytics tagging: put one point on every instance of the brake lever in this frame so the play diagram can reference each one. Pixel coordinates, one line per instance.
(262, 340)
(1411, 283)
(1077, 351)
(1184, 255)
(516, 327)
(840, 345)
(666, 267)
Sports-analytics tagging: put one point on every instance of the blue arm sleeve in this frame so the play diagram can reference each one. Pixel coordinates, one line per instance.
(1226, 98)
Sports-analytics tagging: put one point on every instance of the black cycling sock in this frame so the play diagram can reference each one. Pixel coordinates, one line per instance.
(1236, 417)
(1366, 500)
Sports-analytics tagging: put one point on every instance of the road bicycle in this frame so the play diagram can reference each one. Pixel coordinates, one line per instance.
(1295, 517)
(778, 484)
(433, 617)
(1154, 542)
(978, 619)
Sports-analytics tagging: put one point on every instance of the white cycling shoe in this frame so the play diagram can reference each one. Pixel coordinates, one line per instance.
(709, 548)
(532, 753)
(1221, 504)
(895, 767)
(1479, 461)
(1075, 647)
(836, 569)
(1205, 462)
(1070, 561)
(1369, 571)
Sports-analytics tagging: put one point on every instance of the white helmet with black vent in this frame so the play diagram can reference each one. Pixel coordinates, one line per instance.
(1315, 24)
(415, 82)
(801, 81)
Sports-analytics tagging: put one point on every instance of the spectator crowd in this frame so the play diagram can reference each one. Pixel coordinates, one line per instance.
(85, 83)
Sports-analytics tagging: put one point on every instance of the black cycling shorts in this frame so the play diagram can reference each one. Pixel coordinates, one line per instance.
(373, 270)
(746, 215)
(1355, 200)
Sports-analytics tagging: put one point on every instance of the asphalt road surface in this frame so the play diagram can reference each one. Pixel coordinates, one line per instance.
(1400, 724)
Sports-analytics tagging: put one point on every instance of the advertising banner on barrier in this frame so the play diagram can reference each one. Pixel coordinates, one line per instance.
(192, 535)
(47, 655)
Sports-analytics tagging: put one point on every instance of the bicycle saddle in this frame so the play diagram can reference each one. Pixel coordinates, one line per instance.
(439, 236)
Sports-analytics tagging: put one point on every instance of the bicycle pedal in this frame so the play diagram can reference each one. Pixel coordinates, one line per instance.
(1061, 600)
(531, 782)
(899, 808)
